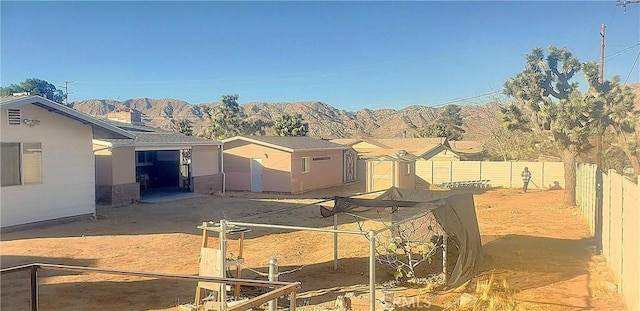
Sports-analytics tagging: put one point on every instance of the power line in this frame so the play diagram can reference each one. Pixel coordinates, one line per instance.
(633, 66)
(620, 52)
(464, 99)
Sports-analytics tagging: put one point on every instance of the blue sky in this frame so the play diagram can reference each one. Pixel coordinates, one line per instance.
(351, 55)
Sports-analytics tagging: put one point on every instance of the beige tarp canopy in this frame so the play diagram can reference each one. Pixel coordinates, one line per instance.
(454, 211)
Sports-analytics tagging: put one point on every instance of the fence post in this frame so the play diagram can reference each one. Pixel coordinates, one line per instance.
(542, 178)
(372, 270)
(273, 276)
(445, 237)
(34, 288)
(223, 262)
(510, 174)
(598, 222)
(608, 202)
(432, 175)
(335, 242)
(622, 200)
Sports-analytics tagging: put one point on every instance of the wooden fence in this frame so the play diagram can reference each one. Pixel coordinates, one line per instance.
(620, 224)
(499, 174)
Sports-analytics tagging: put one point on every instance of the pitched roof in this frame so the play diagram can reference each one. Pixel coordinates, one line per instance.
(290, 143)
(354, 141)
(466, 146)
(395, 157)
(100, 128)
(412, 143)
(150, 136)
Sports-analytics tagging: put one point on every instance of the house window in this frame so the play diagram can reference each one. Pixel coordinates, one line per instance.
(21, 163)
(408, 171)
(305, 164)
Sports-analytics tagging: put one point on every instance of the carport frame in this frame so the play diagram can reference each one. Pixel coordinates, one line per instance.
(224, 225)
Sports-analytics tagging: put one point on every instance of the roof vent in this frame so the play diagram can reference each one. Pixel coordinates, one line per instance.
(13, 116)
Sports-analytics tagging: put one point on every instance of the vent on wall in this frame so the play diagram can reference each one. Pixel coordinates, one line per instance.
(13, 116)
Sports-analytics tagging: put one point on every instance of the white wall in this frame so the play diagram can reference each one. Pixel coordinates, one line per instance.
(499, 174)
(68, 182)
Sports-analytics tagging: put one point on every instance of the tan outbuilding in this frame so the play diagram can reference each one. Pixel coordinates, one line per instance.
(286, 164)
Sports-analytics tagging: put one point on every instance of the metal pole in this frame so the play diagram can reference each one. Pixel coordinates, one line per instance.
(257, 225)
(444, 255)
(223, 258)
(601, 76)
(335, 242)
(372, 270)
(34, 288)
(273, 276)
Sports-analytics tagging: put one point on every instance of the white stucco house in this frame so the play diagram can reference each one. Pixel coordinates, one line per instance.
(48, 164)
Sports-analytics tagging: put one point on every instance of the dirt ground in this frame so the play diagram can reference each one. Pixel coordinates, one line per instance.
(539, 248)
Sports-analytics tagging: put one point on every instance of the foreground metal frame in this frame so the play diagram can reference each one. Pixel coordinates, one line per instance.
(281, 288)
(370, 235)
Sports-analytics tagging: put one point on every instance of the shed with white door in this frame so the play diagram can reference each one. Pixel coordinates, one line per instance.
(284, 164)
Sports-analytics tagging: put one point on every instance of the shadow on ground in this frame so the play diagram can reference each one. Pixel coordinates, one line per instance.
(532, 261)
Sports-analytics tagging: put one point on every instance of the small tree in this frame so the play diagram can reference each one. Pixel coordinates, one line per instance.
(290, 125)
(183, 126)
(35, 87)
(448, 124)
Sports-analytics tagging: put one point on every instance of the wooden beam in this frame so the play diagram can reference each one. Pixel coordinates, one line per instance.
(257, 301)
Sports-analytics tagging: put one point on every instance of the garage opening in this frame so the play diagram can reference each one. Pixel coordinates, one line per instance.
(163, 171)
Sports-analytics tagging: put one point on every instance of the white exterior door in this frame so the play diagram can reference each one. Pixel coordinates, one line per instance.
(256, 175)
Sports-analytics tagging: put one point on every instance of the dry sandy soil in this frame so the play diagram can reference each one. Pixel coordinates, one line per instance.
(542, 250)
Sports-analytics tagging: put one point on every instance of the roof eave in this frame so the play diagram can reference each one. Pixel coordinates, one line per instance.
(65, 111)
(166, 144)
(255, 141)
(320, 149)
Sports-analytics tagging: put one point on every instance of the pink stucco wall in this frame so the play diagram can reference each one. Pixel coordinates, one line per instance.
(325, 170)
(282, 171)
(276, 165)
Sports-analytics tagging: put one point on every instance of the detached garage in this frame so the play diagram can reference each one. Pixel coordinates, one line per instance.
(47, 160)
(155, 161)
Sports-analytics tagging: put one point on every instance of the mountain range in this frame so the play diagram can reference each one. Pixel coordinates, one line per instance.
(325, 121)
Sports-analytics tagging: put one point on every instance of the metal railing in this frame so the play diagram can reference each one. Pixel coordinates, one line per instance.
(280, 288)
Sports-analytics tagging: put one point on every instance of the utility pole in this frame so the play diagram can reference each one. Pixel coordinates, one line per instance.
(66, 92)
(601, 82)
(602, 32)
(599, 187)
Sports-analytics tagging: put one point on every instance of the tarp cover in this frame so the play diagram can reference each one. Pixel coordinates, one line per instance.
(454, 211)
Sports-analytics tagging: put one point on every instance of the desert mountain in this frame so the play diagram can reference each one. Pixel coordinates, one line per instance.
(324, 120)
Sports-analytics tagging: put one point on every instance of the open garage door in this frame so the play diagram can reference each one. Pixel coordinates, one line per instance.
(158, 170)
